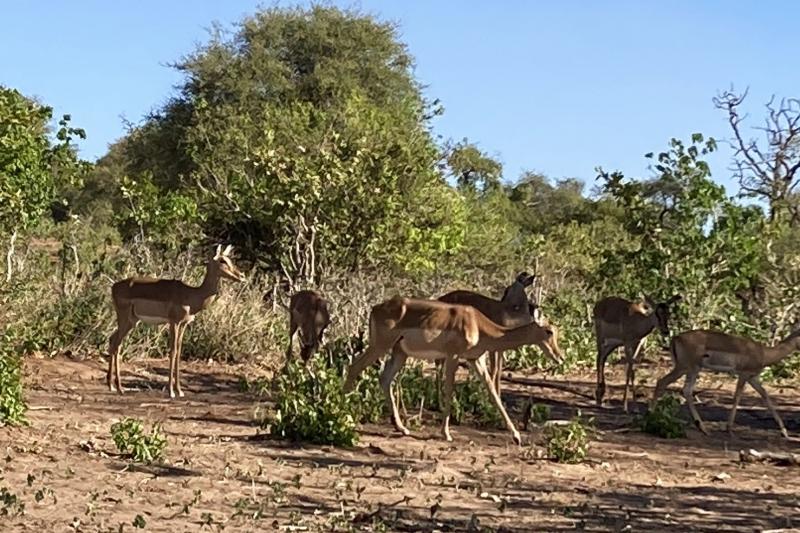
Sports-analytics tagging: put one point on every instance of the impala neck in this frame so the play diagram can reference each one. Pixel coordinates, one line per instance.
(210, 285)
(514, 338)
(782, 350)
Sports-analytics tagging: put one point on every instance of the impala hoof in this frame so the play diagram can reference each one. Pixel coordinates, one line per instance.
(517, 438)
(701, 427)
(784, 433)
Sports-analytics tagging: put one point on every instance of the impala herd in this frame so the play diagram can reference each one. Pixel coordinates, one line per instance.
(461, 326)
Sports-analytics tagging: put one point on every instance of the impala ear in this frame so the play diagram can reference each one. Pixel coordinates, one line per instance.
(218, 251)
(228, 249)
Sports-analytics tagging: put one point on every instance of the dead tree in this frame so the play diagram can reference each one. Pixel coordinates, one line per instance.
(767, 172)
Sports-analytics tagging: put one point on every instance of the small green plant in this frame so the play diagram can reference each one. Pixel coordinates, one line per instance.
(312, 407)
(663, 420)
(131, 440)
(139, 522)
(12, 403)
(569, 443)
(537, 413)
(12, 505)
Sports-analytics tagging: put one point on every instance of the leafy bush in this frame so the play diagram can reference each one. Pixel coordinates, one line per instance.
(663, 419)
(569, 443)
(131, 440)
(312, 407)
(12, 403)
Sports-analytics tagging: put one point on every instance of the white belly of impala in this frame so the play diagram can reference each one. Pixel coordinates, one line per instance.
(427, 355)
(152, 320)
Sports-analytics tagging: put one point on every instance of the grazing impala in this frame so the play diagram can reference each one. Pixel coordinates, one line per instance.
(511, 311)
(620, 322)
(431, 330)
(164, 301)
(308, 312)
(693, 351)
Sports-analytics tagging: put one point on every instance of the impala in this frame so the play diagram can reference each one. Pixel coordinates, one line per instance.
(693, 351)
(512, 310)
(432, 330)
(164, 301)
(308, 312)
(620, 322)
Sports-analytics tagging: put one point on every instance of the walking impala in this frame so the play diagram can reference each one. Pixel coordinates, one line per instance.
(620, 322)
(512, 310)
(693, 351)
(164, 301)
(431, 330)
(308, 312)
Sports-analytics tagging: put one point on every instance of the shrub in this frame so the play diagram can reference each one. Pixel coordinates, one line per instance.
(131, 440)
(569, 443)
(663, 419)
(312, 407)
(12, 403)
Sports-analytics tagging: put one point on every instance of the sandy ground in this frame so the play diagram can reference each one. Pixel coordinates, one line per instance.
(220, 474)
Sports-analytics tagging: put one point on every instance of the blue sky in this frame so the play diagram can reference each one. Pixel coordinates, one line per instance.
(555, 87)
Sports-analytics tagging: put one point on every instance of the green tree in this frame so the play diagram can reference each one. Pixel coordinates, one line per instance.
(303, 136)
(472, 169)
(690, 238)
(32, 168)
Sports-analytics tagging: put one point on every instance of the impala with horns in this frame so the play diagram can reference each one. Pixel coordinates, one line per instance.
(308, 313)
(432, 330)
(693, 351)
(165, 301)
(620, 322)
(512, 310)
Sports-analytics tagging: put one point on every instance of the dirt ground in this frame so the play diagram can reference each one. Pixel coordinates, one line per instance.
(220, 475)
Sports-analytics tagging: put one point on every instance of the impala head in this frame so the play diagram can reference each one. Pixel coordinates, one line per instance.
(313, 328)
(549, 342)
(661, 312)
(223, 263)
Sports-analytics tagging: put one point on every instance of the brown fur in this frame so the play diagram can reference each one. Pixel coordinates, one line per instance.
(308, 313)
(696, 350)
(437, 330)
(167, 301)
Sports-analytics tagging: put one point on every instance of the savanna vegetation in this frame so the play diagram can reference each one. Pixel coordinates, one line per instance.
(303, 137)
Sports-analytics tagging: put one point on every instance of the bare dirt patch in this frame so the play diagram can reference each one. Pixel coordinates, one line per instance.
(219, 474)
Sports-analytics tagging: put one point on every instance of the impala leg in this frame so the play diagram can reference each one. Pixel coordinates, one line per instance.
(756, 384)
(737, 395)
(688, 394)
(173, 339)
(630, 372)
(292, 330)
(496, 360)
(180, 330)
(390, 370)
(363, 361)
(450, 367)
(479, 366)
(667, 380)
(124, 325)
(603, 351)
